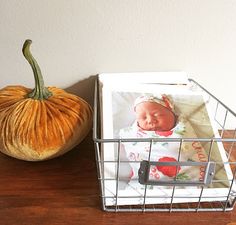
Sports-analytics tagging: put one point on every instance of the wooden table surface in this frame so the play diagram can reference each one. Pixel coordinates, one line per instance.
(65, 191)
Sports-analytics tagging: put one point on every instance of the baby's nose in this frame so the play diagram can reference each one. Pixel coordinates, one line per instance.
(150, 119)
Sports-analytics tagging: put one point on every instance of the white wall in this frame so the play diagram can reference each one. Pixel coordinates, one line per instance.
(75, 39)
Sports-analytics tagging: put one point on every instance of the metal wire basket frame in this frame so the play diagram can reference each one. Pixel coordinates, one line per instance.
(228, 138)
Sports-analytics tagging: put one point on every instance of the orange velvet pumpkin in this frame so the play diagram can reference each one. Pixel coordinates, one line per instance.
(42, 123)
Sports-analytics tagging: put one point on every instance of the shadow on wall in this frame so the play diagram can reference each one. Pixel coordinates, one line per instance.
(84, 89)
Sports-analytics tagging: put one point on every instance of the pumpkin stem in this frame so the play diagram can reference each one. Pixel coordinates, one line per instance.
(39, 92)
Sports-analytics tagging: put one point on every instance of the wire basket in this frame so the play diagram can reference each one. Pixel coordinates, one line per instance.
(175, 194)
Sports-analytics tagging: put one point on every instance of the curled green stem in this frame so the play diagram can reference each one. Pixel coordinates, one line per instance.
(40, 92)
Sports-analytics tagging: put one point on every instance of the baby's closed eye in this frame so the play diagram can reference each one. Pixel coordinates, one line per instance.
(142, 117)
(158, 114)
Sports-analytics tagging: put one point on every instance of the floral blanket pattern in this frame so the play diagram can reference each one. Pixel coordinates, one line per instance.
(164, 152)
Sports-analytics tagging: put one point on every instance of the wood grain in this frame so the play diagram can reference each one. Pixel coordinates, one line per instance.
(65, 191)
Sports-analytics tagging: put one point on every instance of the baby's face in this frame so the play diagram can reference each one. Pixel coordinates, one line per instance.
(155, 117)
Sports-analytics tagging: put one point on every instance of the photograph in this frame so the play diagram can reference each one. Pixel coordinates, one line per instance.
(163, 131)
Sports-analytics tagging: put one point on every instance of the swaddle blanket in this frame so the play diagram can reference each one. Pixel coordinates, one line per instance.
(165, 152)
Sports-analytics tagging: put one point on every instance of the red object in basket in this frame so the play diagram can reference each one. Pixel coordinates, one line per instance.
(170, 171)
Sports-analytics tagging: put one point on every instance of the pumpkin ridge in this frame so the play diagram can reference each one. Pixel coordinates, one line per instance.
(6, 109)
(66, 103)
(50, 119)
(6, 131)
(42, 129)
(19, 91)
(9, 100)
(3, 130)
(87, 110)
(33, 133)
(18, 145)
(30, 132)
(19, 111)
(59, 119)
(57, 136)
(63, 111)
(20, 118)
(43, 119)
(68, 125)
(60, 93)
(39, 137)
(9, 114)
(62, 108)
(34, 138)
(31, 139)
(6, 104)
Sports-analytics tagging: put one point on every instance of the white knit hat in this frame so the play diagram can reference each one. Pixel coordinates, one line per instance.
(162, 100)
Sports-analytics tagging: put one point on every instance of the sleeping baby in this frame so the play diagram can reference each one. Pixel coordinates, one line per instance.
(156, 118)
